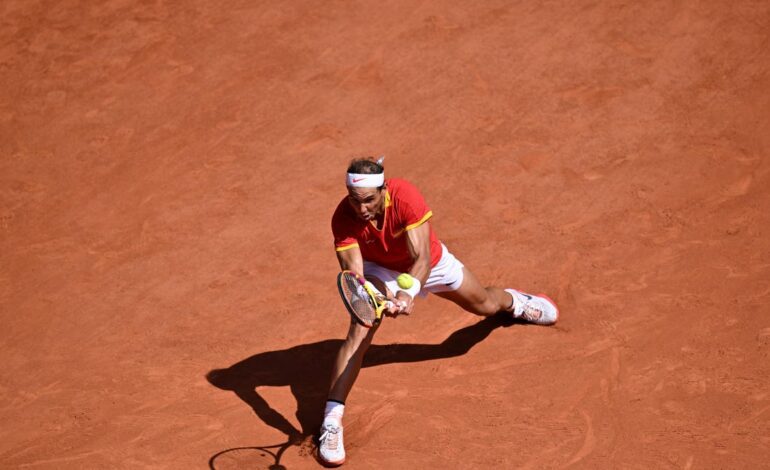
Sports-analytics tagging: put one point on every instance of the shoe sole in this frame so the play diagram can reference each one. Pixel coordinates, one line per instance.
(326, 463)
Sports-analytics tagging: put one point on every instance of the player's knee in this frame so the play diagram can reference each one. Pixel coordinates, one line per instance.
(490, 308)
(359, 336)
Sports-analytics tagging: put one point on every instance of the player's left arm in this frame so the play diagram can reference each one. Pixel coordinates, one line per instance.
(418, 241)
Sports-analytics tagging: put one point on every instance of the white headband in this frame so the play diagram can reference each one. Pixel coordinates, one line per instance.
(356, 180)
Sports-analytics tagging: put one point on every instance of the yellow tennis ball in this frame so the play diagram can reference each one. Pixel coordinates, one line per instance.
(405, 281)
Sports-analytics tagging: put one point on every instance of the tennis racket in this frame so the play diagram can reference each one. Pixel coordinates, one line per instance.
(364, 304)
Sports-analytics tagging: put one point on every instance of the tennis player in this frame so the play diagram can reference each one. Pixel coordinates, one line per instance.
(382, 229)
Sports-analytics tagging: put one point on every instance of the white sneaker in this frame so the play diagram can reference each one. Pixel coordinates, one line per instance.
(331, 449)
(538, 309)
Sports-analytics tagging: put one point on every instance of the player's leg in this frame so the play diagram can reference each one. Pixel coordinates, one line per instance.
(347, 365)
(451, 280)
(475, 298)
(349, 359)
(345, 370)
(351, 354)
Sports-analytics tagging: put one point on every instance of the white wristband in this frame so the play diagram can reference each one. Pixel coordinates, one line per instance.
(415, 289)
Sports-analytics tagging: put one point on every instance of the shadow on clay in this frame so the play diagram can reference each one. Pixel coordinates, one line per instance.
(306, 370)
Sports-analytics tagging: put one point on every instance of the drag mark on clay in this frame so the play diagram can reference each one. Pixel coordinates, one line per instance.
(599, 346)
(377, 417)
(565, 275)
(59, 459)
(589, 442)
(752, 417)
(611, 384)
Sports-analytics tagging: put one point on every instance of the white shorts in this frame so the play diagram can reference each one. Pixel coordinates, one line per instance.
(446, 276)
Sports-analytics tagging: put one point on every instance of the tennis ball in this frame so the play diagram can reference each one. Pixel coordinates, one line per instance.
(404, 281)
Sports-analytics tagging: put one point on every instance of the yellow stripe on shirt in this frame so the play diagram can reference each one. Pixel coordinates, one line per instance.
(427, 216)
(346, 247)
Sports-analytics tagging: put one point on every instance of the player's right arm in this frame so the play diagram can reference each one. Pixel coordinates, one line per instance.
(345, 242)
(351, 260)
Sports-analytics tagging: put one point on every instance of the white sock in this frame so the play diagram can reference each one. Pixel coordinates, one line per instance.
(333, 413)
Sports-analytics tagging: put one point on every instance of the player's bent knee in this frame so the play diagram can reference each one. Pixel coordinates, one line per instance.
(358, 334)
(489, 309)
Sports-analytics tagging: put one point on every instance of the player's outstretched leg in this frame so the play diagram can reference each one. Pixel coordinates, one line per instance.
(347, 365)
(475, 298)
(331, 447)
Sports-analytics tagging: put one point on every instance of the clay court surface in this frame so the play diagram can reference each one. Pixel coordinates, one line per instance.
(167, 178)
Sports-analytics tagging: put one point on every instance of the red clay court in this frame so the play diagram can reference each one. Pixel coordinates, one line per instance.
(168, 171)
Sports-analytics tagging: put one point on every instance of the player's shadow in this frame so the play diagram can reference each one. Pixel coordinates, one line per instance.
(306, 370)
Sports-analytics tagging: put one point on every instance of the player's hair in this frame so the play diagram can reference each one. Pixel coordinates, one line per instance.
(366, 166)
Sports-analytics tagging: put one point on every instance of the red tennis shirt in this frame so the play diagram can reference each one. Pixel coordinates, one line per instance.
(405, 209)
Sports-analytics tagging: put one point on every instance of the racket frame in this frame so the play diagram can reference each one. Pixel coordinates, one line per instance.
(378, 302)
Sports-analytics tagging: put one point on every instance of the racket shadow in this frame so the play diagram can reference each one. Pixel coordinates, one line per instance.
(305, 369)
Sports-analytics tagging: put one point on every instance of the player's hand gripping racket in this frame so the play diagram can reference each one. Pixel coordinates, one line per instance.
(364, 303)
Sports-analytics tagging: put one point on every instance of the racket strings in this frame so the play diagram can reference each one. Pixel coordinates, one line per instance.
(359, 300)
